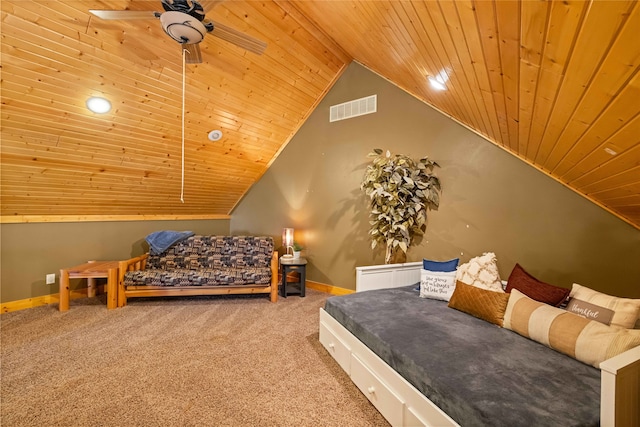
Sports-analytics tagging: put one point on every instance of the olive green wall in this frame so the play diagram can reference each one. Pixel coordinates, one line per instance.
(30, 251)
(491, 200)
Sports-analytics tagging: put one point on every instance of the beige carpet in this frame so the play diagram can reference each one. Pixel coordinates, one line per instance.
(201, 361)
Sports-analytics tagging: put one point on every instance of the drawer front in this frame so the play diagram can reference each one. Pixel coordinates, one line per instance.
(413, 419)
(336, 347)
(426, 414)
(386, 401)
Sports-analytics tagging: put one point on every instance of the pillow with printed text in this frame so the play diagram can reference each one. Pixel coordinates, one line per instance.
(437, 284)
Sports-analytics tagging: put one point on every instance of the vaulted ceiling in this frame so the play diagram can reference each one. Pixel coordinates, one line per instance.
(553, 82)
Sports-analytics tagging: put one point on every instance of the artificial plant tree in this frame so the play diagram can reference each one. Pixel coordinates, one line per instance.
(401, 191)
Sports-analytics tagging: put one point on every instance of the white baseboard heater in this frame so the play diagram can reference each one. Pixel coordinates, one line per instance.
(387, 276)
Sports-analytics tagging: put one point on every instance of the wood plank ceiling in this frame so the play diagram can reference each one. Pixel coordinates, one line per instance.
(553, 82)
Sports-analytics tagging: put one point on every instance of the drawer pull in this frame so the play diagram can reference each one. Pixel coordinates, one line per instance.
(371, 390)
(332, 345)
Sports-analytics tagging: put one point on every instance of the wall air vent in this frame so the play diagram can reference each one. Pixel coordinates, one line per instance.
(357, 107)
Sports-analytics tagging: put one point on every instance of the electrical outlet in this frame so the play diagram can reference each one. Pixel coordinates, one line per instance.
(51, 279)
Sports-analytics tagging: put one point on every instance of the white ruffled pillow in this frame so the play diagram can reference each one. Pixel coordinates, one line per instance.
(481, 272)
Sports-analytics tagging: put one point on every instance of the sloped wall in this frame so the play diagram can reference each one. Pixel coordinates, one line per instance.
(491, 200)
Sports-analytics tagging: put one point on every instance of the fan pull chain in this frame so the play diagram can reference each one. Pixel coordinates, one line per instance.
(184, 55)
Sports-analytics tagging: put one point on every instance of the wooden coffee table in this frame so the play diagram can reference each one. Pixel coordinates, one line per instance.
(90, 270)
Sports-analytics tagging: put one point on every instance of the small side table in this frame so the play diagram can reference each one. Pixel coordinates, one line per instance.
(289, 265)
(90, 270)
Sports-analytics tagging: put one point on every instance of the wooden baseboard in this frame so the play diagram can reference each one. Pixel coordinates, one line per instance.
(38, 301)
(82, 293)
(333, 290)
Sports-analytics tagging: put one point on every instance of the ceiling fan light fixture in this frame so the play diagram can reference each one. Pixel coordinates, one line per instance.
(98, 105)
(183, 28)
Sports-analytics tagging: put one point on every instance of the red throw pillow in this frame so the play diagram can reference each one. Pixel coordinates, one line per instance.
(535, 289)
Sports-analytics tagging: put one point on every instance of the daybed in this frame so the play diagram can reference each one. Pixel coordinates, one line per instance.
(421, 362)
(203, 265)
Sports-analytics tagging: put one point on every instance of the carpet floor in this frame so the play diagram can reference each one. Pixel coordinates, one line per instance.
(188, 361)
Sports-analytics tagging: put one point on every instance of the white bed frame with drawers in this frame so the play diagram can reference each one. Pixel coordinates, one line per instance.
(403, 405)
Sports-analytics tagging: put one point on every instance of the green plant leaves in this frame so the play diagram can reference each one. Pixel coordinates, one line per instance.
(400, 191)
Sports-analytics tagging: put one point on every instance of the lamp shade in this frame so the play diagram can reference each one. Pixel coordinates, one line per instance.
(287, 237)
(182, 27)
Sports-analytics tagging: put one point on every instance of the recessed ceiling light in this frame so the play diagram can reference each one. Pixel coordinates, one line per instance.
(436, 83)
(439, 81)
(610, 151)
(98, 105)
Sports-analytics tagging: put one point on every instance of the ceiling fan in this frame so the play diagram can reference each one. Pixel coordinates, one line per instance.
(185, 22)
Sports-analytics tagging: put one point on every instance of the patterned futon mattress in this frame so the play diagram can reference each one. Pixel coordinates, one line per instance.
(202, 277)
(476, 372)
(208, 261)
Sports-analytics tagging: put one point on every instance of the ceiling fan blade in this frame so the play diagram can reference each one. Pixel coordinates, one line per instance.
(192, 54)
(123, 14)
(238, 38)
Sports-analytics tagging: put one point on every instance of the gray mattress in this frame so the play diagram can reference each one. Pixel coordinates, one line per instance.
(476, 372)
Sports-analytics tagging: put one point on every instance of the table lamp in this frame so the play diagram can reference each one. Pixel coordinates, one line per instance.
(287, 241)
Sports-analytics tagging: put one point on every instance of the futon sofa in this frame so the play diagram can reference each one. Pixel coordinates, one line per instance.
(203, 265)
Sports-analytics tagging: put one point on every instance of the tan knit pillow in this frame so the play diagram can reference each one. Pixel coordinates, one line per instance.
(480, 303)
(626, 310)
(588, 341)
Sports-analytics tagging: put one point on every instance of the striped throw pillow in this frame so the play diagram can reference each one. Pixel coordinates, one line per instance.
(588, 341)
